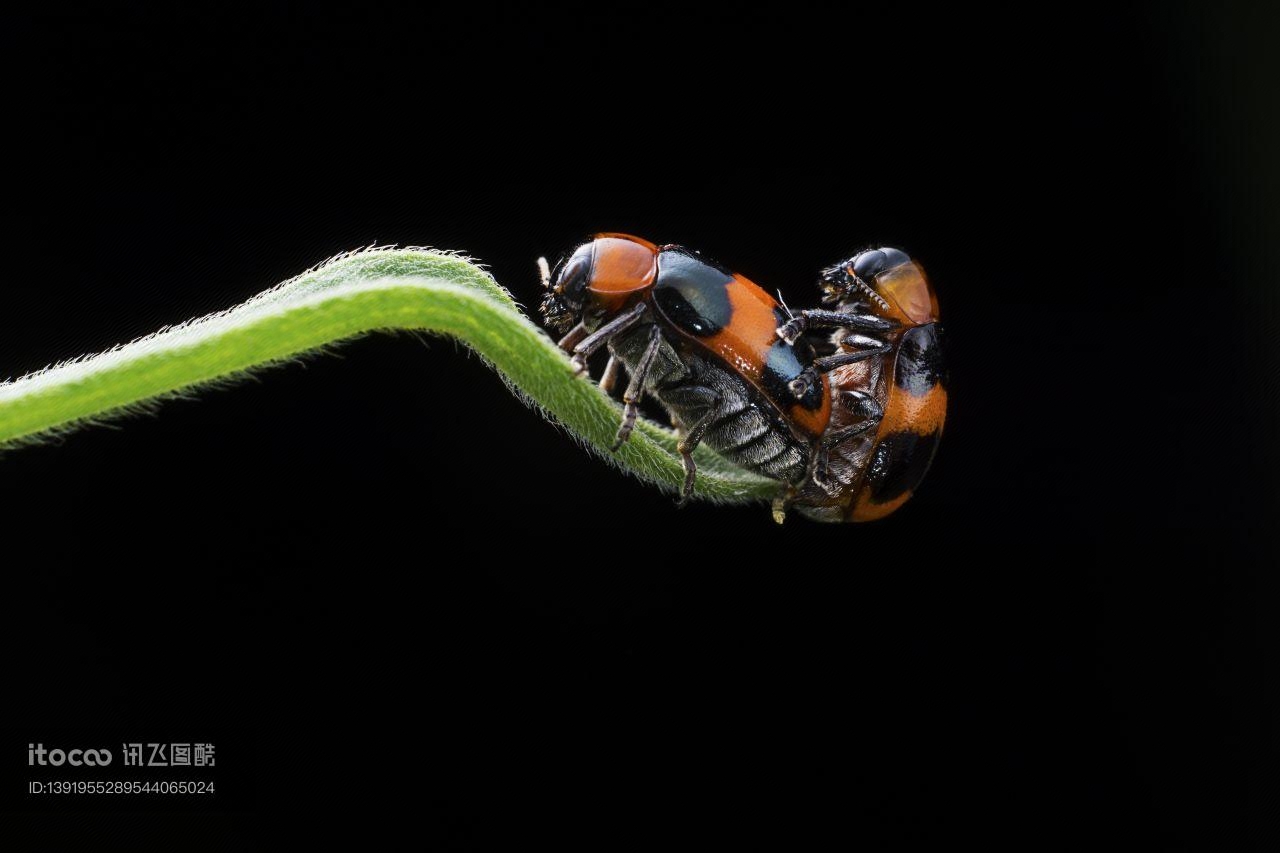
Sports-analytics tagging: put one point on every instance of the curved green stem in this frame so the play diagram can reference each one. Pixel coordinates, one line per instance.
(349, 296)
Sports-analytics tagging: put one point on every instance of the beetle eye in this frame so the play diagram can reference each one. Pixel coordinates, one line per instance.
(870, 264)
(572, 278)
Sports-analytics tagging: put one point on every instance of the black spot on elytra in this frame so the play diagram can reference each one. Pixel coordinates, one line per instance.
(921, 362)
(783, 364)
(692, 294)
(899, 463)
(676, 249)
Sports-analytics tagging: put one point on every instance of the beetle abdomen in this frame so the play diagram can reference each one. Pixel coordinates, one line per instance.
(742, 426)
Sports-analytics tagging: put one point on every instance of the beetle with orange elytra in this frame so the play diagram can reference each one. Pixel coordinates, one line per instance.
(715, 350)
(873, 459)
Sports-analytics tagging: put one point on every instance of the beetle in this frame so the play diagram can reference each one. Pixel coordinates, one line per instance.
(702, 341)
(874, 457)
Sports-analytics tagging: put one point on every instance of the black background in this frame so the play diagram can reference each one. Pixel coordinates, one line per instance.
(402, 603)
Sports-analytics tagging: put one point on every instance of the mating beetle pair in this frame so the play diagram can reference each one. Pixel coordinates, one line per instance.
(847, 425)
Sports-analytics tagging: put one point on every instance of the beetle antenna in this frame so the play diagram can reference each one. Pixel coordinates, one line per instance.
(544, 272)
(875, 297)
(865, 288)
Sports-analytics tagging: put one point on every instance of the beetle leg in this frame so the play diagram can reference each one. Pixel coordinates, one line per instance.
(861, 403)
(689, 442)
(831, 439)
(592, 342)
(569, 341)
(830, 362)
(804, 321)
(802, 383)
(821, 460)
(635, 390)
(870, 347)
(780, 506)
(858, 341)
(609, 378)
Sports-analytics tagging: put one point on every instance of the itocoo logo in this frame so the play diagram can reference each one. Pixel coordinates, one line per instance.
(36, 754)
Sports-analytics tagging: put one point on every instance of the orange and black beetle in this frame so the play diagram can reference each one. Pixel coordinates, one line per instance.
(736, 369)
(702, 341)
(873, 459)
